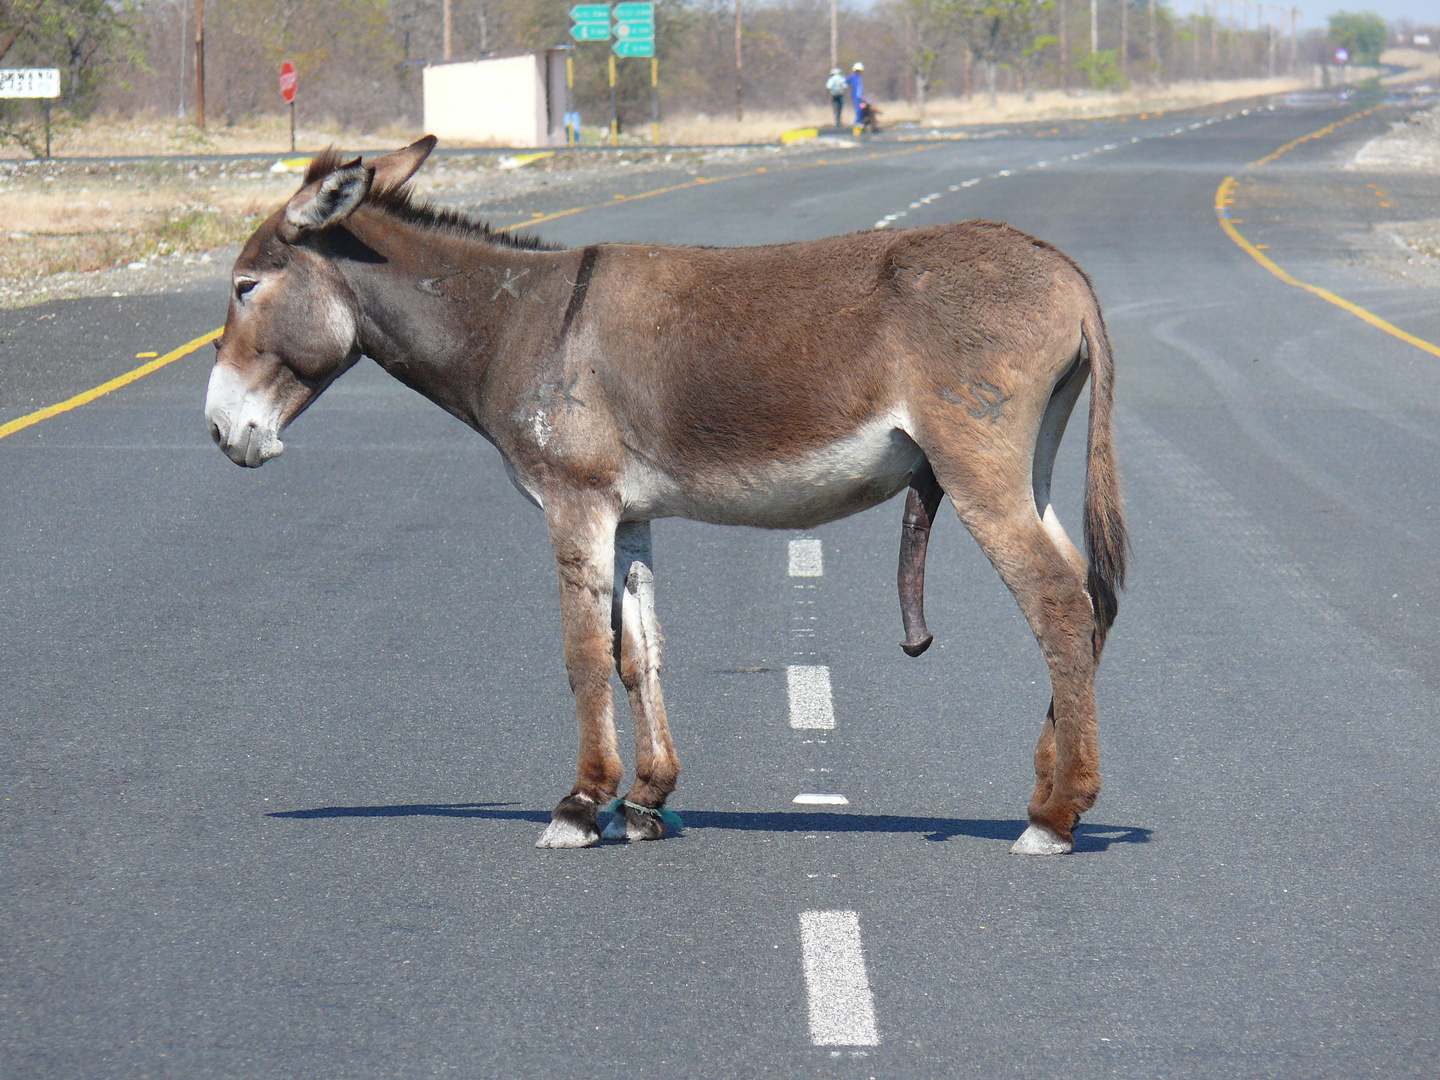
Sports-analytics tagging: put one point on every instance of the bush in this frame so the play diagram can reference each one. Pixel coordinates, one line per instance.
(1103, 70)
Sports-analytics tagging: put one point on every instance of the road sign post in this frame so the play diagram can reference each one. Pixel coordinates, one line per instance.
(635, 36)
(289, 83)
(42, 83)
(592, 23)
(614, 116)
(634, 32)
(572, 133)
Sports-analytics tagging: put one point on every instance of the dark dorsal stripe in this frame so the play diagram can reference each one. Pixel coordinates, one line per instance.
(581, 287)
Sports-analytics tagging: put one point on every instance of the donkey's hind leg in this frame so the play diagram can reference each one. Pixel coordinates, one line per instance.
(1047, 578)
(637, 657)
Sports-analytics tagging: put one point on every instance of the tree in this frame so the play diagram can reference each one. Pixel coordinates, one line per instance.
(77, 36)
(1363, 34)
(1005, 31)
(934, 26)
(1103, 70)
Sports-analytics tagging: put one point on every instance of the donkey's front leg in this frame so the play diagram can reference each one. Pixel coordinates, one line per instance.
(637, 656)
(582, 531)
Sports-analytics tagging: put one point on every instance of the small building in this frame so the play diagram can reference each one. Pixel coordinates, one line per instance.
(514, 99)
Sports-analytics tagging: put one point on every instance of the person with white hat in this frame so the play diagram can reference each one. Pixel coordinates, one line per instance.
(856, 82)
(835, 86)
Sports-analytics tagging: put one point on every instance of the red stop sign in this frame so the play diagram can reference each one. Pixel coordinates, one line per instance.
(288, 81)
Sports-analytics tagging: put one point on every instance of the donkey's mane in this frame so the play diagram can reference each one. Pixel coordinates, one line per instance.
(399, 201)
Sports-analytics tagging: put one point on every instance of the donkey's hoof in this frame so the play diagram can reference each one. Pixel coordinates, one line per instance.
(1038, 840)
(565, 833)
(631, 824)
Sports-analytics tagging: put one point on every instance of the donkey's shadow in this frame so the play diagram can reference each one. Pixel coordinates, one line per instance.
(1088, 837)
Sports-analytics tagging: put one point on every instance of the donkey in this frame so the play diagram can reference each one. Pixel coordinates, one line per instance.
(778, 386)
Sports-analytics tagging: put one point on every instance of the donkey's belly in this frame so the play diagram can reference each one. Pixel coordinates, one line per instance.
(792, 493)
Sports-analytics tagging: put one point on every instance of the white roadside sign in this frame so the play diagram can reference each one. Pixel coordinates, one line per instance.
(29, 82)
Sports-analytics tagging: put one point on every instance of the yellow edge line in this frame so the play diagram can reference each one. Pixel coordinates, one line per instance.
(1326, 130)
(114, 384)
(1222, 196)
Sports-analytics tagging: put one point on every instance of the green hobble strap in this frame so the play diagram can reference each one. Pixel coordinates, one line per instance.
(672, 820)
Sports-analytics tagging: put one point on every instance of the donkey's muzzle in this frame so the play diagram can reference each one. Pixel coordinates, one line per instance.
(242, 423)
(248, 446)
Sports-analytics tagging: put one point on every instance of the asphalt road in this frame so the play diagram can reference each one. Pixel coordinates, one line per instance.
(277, 744)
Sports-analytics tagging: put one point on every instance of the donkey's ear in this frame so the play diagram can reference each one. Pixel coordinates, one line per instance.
(392, 170)
(333, 198)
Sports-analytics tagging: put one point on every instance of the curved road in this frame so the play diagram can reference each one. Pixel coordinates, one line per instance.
(277, 745)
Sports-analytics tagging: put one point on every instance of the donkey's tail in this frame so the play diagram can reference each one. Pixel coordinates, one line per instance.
(1106, 540)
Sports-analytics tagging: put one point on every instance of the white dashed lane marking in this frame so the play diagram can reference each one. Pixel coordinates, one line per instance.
(807, 559)
(842, 1009)
(890, 219)
(818, 799)
(808, 686)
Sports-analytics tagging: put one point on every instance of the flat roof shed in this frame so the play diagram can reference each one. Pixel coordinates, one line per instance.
(516, 99)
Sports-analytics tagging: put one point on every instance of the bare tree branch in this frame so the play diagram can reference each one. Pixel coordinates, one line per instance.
(14, 37)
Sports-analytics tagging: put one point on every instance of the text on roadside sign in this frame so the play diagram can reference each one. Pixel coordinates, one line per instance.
(29, 82)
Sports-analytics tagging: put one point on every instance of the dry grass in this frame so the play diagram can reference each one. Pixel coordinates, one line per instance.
(74, 218)
(157, 135)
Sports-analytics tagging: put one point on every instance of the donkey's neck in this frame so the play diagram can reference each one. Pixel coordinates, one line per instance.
(440, 306)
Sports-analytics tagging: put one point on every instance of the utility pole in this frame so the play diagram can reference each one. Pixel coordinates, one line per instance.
(1154, 48)
(1294, 14)
(1214, 31)
(180, 79)
(446, 34)
(200, 64)
(1195, 44)
(739, 69)
(835, 34)
(1094, 27)
(913, 82)
(1124, 39)
(1064, 50)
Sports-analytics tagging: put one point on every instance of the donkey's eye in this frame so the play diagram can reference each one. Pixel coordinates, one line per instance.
(243, 286)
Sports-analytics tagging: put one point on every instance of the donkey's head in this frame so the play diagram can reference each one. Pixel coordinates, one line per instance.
(294, 324)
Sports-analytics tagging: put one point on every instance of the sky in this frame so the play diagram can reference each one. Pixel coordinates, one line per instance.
(1315, 13)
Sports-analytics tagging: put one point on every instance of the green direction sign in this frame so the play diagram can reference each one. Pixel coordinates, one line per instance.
(634, 47)
(592, 22)
(634, 29)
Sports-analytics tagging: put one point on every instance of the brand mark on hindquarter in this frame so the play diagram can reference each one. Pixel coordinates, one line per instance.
(984, 400)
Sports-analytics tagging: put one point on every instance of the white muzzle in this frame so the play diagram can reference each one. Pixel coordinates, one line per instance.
(244, 423)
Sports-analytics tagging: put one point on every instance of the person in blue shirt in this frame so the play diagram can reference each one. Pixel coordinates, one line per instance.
(856, 82)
